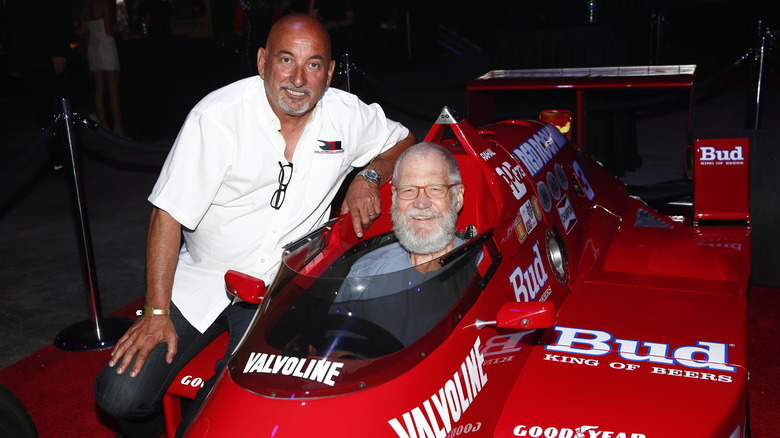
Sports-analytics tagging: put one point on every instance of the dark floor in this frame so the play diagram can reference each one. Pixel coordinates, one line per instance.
(42, 287)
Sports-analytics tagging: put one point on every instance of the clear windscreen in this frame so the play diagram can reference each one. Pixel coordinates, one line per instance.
(316, 318)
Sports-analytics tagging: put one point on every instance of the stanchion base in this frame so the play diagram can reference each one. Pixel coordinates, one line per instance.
(84, 336)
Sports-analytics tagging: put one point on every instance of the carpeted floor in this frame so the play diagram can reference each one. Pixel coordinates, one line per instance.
(56, 388)
(764, 361)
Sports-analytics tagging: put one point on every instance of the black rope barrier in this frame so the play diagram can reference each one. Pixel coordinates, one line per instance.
(120, 141)
(50, 131)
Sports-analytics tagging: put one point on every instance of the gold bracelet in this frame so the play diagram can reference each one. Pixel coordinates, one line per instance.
(149, 311)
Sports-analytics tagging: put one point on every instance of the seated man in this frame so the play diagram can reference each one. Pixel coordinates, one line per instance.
(427, 197)
(402, 287)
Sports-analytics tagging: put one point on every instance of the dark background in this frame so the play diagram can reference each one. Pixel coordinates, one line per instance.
(165, 72)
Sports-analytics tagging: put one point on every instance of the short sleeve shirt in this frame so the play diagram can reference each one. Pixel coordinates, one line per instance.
(223, 169)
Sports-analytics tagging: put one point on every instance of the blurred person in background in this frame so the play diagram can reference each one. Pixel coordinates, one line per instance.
(97, 19)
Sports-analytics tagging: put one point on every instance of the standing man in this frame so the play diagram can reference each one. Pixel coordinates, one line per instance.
(256, 165)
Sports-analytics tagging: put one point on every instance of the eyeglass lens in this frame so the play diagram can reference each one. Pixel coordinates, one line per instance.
(433, 191)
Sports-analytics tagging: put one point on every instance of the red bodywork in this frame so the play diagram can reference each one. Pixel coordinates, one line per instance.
(649, 339)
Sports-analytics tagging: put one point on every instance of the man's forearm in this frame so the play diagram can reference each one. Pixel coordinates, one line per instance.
(162, 249)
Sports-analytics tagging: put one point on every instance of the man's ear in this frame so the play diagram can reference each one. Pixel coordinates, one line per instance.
(331, 68)
(261, 61)
(459, 198)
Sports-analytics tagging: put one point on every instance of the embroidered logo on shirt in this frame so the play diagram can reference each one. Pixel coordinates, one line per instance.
(329, 147)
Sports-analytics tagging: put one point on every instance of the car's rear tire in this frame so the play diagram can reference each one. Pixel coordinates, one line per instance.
(15, 421)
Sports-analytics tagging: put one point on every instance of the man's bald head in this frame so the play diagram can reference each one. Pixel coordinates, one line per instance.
(299, 24)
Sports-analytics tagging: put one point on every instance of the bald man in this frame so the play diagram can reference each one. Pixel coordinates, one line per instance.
(256, 164)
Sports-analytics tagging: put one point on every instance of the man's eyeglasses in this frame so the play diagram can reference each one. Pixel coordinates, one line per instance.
(284, 179)
(433, 191)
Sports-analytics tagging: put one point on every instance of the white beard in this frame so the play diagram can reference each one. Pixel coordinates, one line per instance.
(431, 243)
(290, 109)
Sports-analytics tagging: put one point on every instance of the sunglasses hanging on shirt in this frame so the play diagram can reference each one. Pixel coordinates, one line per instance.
(285, 176)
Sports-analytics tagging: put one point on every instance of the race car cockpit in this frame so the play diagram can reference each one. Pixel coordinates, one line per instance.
(321, 332)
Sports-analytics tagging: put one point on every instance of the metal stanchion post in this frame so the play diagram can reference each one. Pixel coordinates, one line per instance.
(347, 68)
(754, 119)
(97, 333)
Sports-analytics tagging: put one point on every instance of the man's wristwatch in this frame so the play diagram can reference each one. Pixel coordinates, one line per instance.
(371, 175)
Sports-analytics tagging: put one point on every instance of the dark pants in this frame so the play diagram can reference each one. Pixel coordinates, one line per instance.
(136, 402)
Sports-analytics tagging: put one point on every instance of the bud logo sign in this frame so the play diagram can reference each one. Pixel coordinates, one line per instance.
(529, 281)
(721, 176)
(704, 361)
(712, 156)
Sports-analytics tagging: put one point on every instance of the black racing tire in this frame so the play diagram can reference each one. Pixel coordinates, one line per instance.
(15, 421)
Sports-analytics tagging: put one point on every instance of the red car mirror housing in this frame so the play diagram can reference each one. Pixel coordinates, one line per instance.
(248, 288)
(530, 315)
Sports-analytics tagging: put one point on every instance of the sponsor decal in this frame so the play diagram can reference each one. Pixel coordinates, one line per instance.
(617, 365)
(564, 432)
(544, 195)
(545, 295)
(529, 281)
(464, 429)
(329, 147)
(704, 355)
(552, 183)
(711, 156)
(527, 220)
(195, 382)
(566, 212)
(563, 180)
(583, 180)
(538, 150)
(520, 230)
(537, 208)
(487, 154)
(323, 371)
(513, 176)
(437, 415)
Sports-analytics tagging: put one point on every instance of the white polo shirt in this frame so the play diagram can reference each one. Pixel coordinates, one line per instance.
(223, 169)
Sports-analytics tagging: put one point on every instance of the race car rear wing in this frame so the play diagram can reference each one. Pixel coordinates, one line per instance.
(721, 176)
(480, 91)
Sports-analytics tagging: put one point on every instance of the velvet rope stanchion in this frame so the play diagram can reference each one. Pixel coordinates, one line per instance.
(97, 333)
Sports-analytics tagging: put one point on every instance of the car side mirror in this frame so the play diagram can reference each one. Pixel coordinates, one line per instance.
(531, 315)
(248, 288)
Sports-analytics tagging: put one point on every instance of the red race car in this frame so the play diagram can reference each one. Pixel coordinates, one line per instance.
(573, 310)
